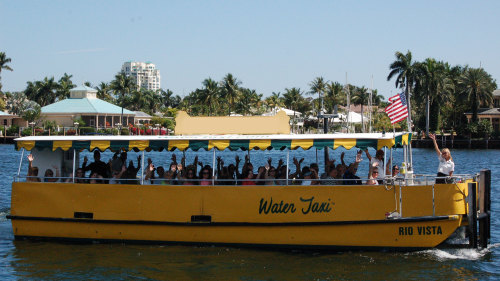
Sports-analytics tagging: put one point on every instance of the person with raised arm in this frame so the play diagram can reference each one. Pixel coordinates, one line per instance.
(446, 165)
(97, 166)
(32, 171)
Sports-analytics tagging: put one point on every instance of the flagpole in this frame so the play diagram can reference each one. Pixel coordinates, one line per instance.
(410, 167)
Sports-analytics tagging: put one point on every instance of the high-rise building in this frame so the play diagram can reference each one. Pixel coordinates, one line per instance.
(145, 74)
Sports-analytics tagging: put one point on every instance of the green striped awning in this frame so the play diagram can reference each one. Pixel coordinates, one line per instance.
(218, 143)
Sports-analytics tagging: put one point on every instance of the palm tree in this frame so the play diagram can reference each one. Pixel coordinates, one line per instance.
(103, 91)
(230, 90)
(4, 60)
(274, 101)
(210, 94)
(405, 70)
(42, 92)
(292, 98)
(361, 96)
(477, 86)
(122, 85)
(334, 95)
(65, 85)
(434, 85)
(318, 86)
(248, 99)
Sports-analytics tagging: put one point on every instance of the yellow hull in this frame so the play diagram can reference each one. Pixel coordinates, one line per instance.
(320, 216)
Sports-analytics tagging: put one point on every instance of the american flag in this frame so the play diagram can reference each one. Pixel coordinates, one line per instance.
(398, 109)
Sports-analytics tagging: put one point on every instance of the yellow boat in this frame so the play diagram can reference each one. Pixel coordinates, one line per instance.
(288, 215)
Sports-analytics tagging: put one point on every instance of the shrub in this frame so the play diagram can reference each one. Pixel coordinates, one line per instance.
(70, 132)
(13, 130)
(87, 130)
(125, 132)
(26, 132)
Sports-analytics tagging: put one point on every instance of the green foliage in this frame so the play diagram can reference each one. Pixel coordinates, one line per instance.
(164, 122)
(479, 129)
(87, 130)
(50, 125)
(26, 132)
(80, 121)
(12, 130)
(125, 132)
(32, 112)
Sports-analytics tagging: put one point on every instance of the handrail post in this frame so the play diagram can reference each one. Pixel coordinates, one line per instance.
(433, 202)
(213, 167)
(142, 168)
(20, 163)
(287, 161)
(74, 164)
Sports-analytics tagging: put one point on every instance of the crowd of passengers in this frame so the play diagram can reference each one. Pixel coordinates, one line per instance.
(116, 171)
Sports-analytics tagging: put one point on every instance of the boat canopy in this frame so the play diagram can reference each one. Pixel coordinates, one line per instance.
(208, 142)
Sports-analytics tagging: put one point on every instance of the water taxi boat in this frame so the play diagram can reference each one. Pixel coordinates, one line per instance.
(287, 215)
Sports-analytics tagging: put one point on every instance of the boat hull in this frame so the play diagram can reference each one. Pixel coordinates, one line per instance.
(303, 216)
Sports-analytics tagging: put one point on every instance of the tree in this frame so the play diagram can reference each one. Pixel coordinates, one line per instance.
(361, 97)
(42, 92)
(293, 98)
(122, 85)
(31, 112)
(405, 70)
(4, 60)
(274, 101)
(103, 92)
(477, 86)
(209, 95)
(318, 86)
(230, 90)
(249, 99)
(334, 95)
(433, 84)
(65, 85)
(16, 103)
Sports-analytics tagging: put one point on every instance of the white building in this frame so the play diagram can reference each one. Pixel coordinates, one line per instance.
(145, 73)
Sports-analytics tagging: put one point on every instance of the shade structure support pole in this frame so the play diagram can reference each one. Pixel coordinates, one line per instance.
(287, 162)
(74, 164)
(142, 168)
(20, 163)
(213, 167)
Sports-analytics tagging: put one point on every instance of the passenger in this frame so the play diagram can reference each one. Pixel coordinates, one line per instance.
(149, 172)
(331, 178)
(131, 173)
(378, 160)
(395, 171)
(270, 176)
(79, 176)
(307, 180)
(446, 165)
(97, 166)
(282, 174)
(298, 172)
(49, 175)
(159, 179)
(190, 178)
(115, 179)
(32, 171)
(248, 177)
(118, 162)
(246, 166)
(169, 178)
(340, 171)
(261, 175)
(206, 176)
(95, 178)
(350, 177)
(373, 177)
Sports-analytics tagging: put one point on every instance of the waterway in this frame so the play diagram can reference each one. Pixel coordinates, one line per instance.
(29, 260)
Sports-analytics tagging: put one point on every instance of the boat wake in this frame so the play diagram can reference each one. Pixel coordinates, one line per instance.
(459, 254)
(3, 214)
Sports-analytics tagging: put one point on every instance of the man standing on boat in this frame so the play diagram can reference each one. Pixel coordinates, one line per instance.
(377, 161)
(97, 166)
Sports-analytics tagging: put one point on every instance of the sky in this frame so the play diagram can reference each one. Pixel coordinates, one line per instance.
(267, 45)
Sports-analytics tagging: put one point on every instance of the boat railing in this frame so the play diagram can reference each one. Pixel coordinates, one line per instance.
(400, 180)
